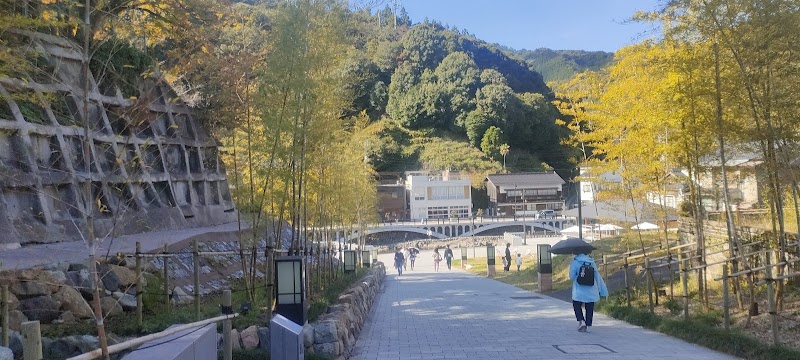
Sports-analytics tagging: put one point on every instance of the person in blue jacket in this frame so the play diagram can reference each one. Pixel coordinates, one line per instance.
(584, 295)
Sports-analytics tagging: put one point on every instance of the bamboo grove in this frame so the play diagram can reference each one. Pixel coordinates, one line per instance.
(722, 76)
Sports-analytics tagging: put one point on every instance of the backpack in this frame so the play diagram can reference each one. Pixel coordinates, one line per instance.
(586, 275)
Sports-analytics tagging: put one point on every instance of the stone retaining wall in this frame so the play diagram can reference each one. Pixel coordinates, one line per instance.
(335, 333)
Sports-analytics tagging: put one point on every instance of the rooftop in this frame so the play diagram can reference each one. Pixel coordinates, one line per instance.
(519, 179)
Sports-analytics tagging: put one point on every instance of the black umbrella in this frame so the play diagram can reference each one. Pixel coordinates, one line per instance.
(571, 246)
(413, 250)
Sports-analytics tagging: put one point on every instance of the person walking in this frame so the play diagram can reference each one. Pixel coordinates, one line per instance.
(587, 288)
(399, 260)
(448, 257)
(412, 257)
(436, 259)
(519, 261)
(507, 263)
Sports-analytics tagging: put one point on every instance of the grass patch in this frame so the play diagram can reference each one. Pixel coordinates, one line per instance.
(702, 331)
(527, 278)
(329, 295)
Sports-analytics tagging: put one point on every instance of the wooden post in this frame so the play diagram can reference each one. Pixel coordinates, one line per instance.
(627, 286)
(196, 258)
(726, 300)
(671, 277)
(227, 343)
(139, 287)
(605, 267)
(682, 266)
(773, 314)
(31, 341)
(650, 285)
(166, 276)
(5, 315)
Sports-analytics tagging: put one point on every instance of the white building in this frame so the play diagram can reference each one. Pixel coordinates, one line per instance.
(438, 196)
(591, 185)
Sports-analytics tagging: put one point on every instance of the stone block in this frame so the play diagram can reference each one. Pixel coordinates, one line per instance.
(42, 308)
(72, 301)
(250, 338)
(308, 335)
(235, 340)
(127, 301)
(15, 319)
(325, 332)
(6, 354)
(29, 289)
(110, 306)
(126, 277)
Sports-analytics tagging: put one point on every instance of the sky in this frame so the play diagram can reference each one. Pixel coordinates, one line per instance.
(531, 24)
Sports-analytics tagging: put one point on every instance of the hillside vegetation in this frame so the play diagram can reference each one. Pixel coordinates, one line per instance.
(561, 65)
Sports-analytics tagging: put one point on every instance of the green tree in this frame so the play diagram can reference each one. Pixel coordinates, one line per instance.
(492, 142)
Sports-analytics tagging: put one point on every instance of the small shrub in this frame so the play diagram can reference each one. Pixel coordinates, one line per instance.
(710, 318)
(674, 306)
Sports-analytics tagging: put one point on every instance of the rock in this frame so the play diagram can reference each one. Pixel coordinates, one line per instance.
(331, 349)
(67, 317)
(180, 297)
(6, 354)
(71, 346)
(58, 276)
(15, 344)
(308, 335)
(15, 319)
(72, 301)
(325, 332)
(127, 301)
(80, 280)
(263, 338)
(110, 306)
(108, 277)
(250, 338)
(13, 302)
(77, 267)
(125, 276)
(42, 308)
(235, 341)
(29, 289)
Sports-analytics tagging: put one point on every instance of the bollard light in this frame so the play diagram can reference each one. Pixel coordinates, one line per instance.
(289, 279)
(374, 253)
(545, 259)
(349, 260)
(463, 254)
(490, 257)
(365, 258)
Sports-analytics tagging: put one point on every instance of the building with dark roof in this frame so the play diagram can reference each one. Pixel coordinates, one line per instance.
(524, 193)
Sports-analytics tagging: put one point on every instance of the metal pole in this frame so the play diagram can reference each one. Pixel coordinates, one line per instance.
(31, 341)
(227, 344)
(139, 287)
(726, 300)
(650, 285)
(196, 258)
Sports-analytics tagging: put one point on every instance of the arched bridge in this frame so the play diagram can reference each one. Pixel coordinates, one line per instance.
(460, 228)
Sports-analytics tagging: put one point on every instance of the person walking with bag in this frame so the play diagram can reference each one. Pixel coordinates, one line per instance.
(399, 260)
(448, 257)
(436, 259)
(587, 288)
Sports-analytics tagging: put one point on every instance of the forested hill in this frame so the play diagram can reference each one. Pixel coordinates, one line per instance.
(562, 65)
(442, 99)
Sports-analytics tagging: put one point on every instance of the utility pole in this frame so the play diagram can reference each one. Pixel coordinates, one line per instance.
(580, 207)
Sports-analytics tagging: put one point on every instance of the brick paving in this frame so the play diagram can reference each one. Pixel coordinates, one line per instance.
(457, 315)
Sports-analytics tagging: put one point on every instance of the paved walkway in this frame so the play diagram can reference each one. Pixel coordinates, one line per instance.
(76, 251)
(457, 315)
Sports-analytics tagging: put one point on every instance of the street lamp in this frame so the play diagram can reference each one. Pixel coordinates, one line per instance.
(349, 261)
(463, 257)
(374, 253)
(289, 279)
(490, 260)
(365, 258)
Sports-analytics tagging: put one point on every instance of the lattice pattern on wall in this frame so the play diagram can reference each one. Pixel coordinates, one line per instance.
(151, 165)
